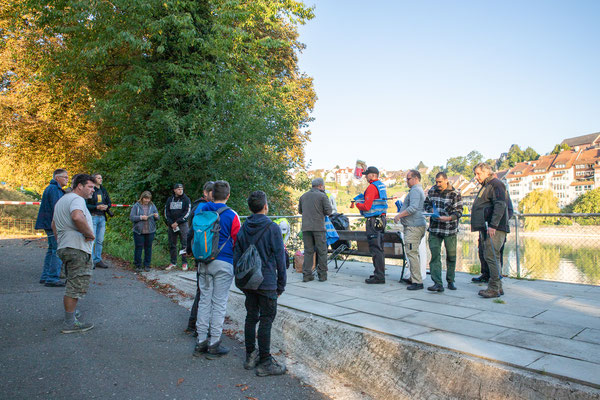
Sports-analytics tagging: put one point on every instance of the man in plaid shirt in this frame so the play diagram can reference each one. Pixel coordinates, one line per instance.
(445, 200)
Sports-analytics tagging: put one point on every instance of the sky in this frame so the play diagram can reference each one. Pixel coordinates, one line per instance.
(400, 82)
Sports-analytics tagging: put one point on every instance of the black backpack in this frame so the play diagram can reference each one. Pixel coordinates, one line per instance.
(248, 269)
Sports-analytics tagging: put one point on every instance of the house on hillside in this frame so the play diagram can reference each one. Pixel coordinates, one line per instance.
(583, 142)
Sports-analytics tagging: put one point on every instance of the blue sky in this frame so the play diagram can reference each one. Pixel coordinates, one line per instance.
(404, 81)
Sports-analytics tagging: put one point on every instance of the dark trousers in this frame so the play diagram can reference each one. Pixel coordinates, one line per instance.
(182, 235)
(194, 312)
(485, 269)
(142, 242)
(375, 227)
(261, 308)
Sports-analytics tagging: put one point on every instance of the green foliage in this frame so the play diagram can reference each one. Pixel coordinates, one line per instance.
(589, 202)
(516, 155)
(463, 165)
(21, 212)
(539, 202)
(560, 147)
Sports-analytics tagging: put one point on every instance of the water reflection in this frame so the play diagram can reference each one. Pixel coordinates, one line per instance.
(564, 259)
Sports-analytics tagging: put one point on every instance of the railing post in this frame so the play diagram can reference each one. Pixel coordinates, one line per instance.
(517, 245)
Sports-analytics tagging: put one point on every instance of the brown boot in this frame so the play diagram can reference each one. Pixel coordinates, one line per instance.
(489, 293)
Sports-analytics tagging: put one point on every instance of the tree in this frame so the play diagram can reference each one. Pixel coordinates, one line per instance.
(185, 90)
(589, 202)
(463, 165)
(539, 202)
(559, 148)
(421, 165)
(516, 155)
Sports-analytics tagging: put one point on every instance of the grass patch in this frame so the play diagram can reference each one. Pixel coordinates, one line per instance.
(499, 301)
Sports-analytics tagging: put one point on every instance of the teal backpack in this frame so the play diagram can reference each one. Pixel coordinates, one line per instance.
(206, 226)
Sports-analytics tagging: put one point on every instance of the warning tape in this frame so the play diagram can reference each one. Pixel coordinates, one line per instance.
(37, 203)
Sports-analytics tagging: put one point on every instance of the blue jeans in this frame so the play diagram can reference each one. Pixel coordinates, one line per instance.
(52, 263)
(99, 228)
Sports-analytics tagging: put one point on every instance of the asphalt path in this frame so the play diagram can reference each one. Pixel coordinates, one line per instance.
(137, 349)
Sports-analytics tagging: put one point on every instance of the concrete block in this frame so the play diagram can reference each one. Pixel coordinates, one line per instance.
(578, 370)
(580, 305)
(510, 306)
(550, 344)
(316, 293)
(381, 324)
(438, 308)
(376, 308)
(564, 330)
(587, 321)
(312, 306)
(456, 325)
(589, 335)
(480, 348)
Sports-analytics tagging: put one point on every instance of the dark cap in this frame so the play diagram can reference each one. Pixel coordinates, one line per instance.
(370, 170)
(178, 185)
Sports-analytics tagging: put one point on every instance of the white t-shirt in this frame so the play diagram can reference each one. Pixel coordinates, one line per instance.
(68, 235)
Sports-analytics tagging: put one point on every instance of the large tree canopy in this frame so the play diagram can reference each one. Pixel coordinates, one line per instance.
(181, 91)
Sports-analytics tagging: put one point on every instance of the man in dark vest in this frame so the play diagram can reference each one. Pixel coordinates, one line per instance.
(374, 209)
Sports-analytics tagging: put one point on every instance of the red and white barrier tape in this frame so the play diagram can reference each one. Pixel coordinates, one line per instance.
(37, 203)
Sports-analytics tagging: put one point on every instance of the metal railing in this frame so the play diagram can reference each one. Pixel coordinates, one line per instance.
(556, 247)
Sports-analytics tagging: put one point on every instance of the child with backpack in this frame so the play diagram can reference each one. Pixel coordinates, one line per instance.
(261, 303)
(215, 229)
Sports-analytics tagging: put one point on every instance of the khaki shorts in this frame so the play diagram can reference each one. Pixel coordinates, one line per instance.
(77, 265)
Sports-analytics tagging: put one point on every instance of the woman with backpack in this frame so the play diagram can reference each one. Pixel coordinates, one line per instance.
(144, 215)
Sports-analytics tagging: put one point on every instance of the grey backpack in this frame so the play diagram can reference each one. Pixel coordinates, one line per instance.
(248, 269)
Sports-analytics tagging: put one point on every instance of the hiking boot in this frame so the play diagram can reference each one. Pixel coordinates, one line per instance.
(200, 348)
(436, 288)
(322, 278)
(270, 367)
(481, 279)
(406, 280)
(76, 326)
(170, 267)
(55, 284)
(308, 278)
(501, 292)
(489, 293)
(374, 281)
(416, 286)
(184, 267)
(451, 286)
(216, 351)
(101, 264)
(251, 360)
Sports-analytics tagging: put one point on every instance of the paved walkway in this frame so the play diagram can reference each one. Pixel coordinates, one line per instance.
(548, 327)
(137, 349)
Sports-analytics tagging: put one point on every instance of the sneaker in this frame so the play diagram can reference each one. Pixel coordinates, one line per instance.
(200, 348)
(184, 267)
(416, 286)
(481, 279)
(436, 288)
(76, 326)
(251, 360)
(170, 267)
(270, 367)
(55, 284)
(374, 281)
(488, 293)
(100, 264)
(216, 351)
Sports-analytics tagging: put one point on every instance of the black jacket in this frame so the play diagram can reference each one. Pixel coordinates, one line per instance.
(177, 209)
(92, 204)
(270, 247)
(492, 205)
